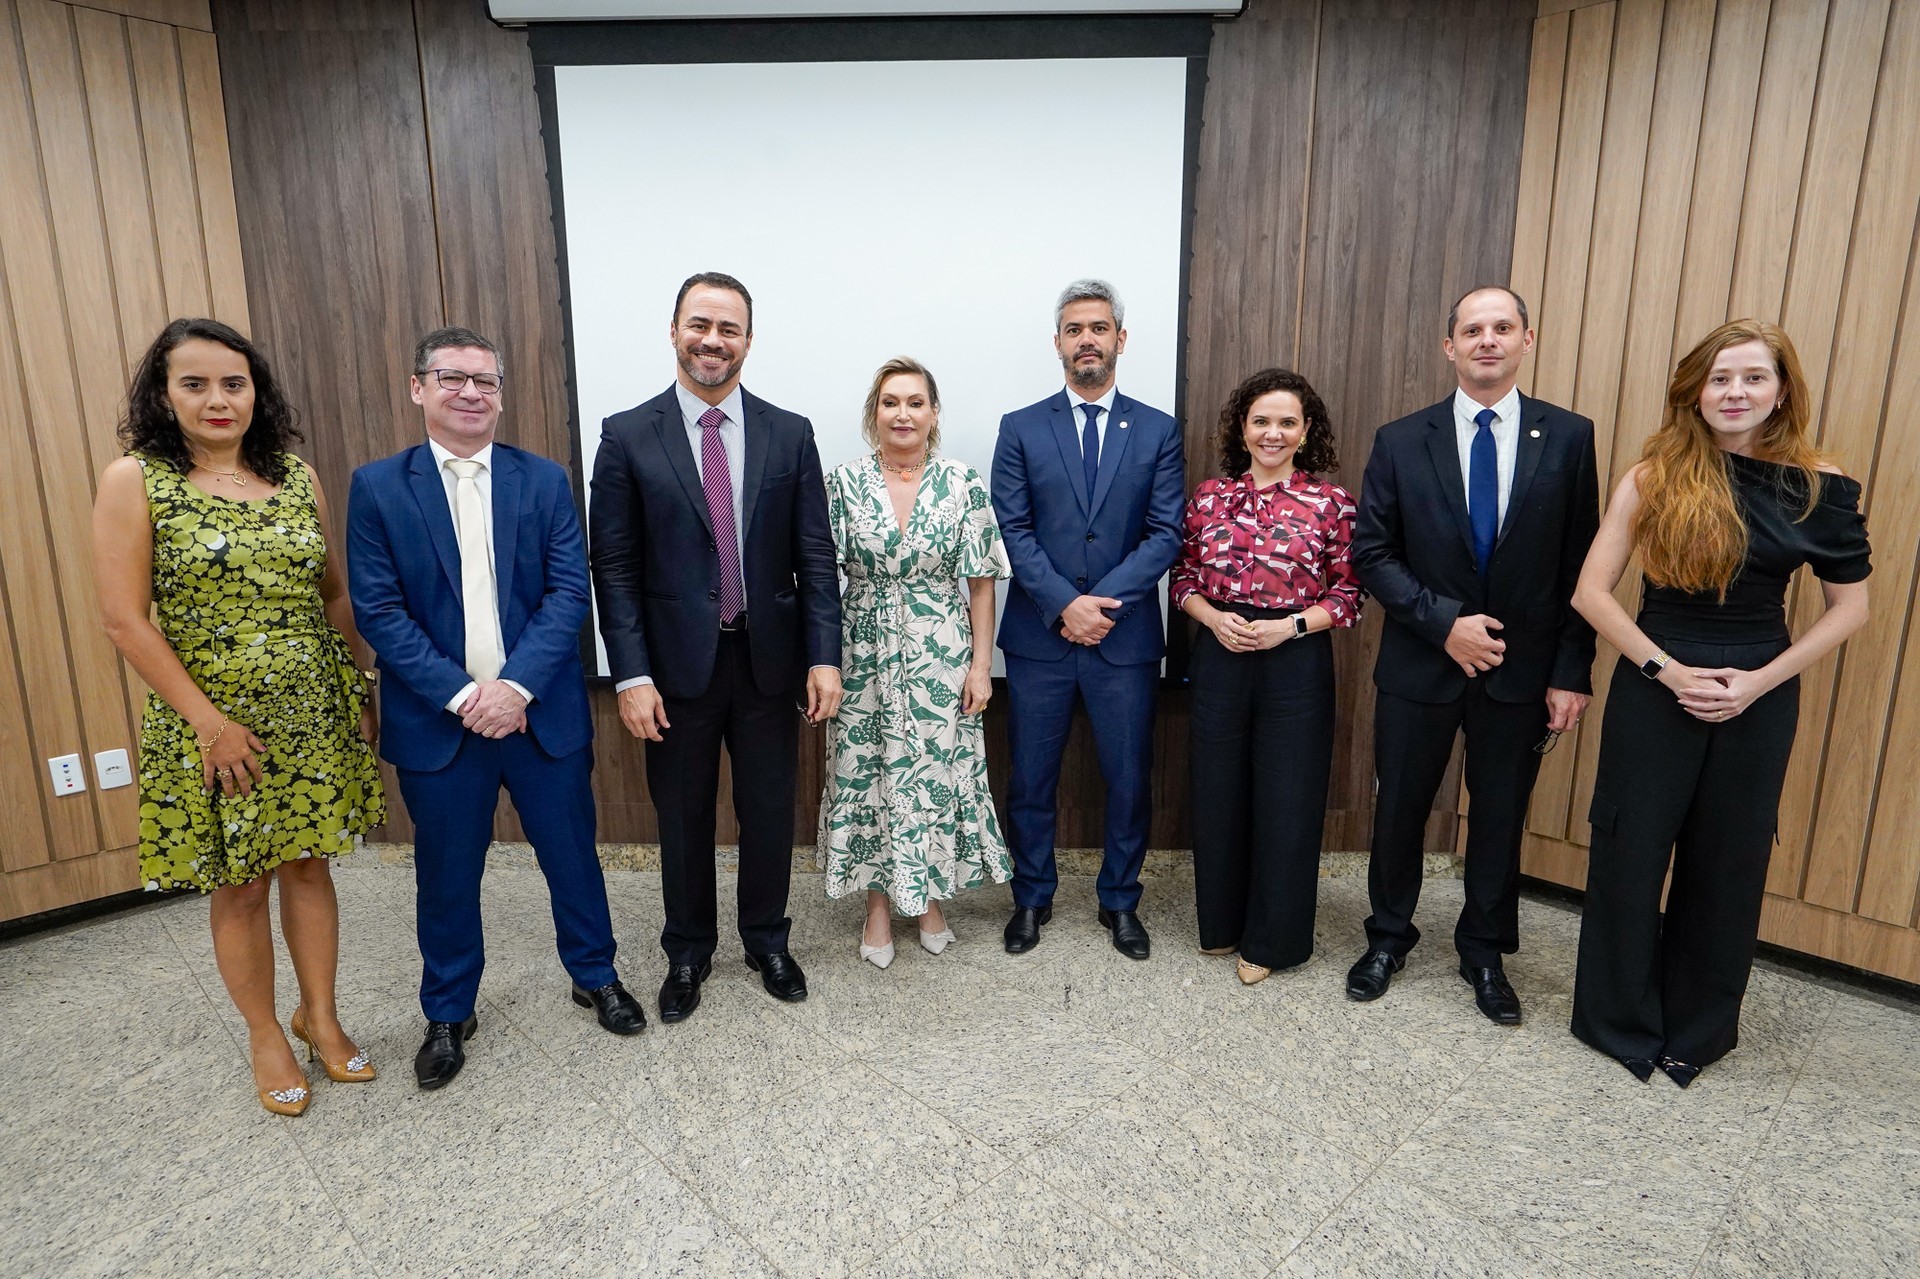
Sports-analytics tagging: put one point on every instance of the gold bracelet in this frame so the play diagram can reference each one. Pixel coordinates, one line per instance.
(210, 743)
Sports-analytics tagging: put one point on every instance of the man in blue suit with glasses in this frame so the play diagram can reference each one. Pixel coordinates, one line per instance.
(1088, 486)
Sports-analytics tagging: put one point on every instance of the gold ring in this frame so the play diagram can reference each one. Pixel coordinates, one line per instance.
(223, 773)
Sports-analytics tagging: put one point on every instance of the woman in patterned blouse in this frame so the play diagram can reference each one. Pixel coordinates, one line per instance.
(1265, 569)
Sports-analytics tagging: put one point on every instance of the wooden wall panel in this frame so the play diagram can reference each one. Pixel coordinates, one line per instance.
(101, 197)
(1789, 189)
(1559, 306)
(1380, 274)
(1603, 335)
(1829, 185)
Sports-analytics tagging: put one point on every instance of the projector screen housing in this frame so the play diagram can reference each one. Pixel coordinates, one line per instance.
(513, 13)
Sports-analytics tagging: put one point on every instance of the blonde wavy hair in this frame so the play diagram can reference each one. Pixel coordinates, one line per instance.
(870, 418)
(1688, 530)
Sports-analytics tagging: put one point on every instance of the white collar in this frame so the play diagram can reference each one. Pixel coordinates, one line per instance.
(1505, 413)
(692, 406)
(442, 454)
(1075, 399)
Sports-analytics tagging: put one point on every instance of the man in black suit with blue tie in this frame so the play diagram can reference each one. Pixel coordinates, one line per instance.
(719, 598)
(1475, 516)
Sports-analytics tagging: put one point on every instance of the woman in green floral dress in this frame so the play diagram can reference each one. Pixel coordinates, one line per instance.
(254, 755)
(906, 813)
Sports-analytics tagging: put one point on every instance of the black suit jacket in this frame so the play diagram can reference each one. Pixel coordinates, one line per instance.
(656, 566)
(1413, 550)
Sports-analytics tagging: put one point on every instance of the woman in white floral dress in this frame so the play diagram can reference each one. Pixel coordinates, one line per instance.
(906, 814)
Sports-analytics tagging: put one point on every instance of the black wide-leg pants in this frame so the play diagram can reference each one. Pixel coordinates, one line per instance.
(1706, 796)
(1261, 752)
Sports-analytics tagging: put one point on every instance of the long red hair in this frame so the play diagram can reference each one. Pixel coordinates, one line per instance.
(1689, 531)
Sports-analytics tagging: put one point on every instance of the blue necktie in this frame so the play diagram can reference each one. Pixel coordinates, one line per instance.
(1483, 492)
(1090, 445)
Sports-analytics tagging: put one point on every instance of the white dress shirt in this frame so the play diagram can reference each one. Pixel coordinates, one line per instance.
(484, 481)
(1075, 400)
(1506, 442)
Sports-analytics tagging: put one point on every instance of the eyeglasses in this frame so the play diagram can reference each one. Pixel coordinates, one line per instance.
(1545, 747)
(457, 379)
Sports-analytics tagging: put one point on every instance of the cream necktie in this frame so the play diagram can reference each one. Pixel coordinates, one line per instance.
(476, 571)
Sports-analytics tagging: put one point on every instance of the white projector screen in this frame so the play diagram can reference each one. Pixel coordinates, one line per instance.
(873, 209)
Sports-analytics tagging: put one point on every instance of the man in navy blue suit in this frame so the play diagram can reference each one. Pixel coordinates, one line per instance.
(1088, 486)
(713, 566)
(469, 579)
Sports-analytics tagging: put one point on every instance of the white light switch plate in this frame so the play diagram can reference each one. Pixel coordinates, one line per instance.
(111, 769)
(67, 777)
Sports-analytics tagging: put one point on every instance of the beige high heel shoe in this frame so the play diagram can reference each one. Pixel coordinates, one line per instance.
(284, 1101)
(1251, 973)
(358, 1069)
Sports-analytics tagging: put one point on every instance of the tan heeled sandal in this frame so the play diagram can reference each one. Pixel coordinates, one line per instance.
(1251, 973)
(358, 1069)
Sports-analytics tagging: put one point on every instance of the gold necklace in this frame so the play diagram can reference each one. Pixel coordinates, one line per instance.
(239, 480)
(904, 472)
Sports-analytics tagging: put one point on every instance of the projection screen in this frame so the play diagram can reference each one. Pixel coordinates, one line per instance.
(925, 208)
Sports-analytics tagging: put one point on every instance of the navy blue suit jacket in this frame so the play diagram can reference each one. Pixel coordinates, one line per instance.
(1413, 551)
(404, 577)
(656, 566)
(1117, 541)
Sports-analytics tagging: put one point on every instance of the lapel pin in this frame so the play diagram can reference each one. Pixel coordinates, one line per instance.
(1534, 434)
(1123, 426)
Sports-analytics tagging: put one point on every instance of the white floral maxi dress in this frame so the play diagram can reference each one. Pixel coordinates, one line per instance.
(906, 807)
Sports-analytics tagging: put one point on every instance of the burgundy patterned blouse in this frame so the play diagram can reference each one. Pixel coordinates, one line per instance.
(1287, 546)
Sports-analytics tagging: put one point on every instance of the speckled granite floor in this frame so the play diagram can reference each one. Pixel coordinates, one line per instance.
(1066, 1112)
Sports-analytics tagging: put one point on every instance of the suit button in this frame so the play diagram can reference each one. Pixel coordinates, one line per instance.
(1089, 537)
(713, 595)
(1080, 582)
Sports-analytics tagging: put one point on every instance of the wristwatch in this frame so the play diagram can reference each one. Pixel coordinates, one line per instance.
(1299, 625)
(1652, 667)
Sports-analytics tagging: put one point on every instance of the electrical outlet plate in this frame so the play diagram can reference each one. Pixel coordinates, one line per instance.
(111, 769)
(68, 779)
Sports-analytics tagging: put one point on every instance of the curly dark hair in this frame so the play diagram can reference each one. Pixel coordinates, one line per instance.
(1316, 452)
(148, 427)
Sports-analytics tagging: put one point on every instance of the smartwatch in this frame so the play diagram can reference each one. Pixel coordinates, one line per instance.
(1652, 667)
(1299, 625)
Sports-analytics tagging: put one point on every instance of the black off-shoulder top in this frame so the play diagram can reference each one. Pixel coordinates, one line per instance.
(1833, 540)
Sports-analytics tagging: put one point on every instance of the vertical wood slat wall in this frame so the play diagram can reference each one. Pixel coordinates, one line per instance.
(116, 214)
(1692, 161)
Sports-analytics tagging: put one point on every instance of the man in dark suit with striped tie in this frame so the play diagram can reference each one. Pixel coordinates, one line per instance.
(719, 600)
(1475, 516)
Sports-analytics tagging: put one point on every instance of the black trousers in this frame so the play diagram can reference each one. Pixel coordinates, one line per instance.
(683, 772)
(1706, 796)
(1261, 750)
(1411, 743)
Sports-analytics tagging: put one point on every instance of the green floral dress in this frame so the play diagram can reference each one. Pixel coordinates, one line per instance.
(236, 589)
(906, 806)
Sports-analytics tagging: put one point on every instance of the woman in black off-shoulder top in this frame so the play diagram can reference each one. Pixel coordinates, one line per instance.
(1729, 498)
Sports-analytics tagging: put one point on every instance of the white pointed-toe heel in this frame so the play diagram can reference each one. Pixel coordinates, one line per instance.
(878, 956)
(934, 943)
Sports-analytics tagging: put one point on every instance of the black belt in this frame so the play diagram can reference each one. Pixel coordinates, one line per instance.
(739, 623)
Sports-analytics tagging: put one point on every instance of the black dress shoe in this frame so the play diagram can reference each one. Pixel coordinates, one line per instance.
(680, 992)
(1129, 934)
(1371, 974)
(617, 1010)
(1642, 1067)
(1493, 993)
(781, 975)
(1023, 930)
(443, 1053)
(1679, 1071)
